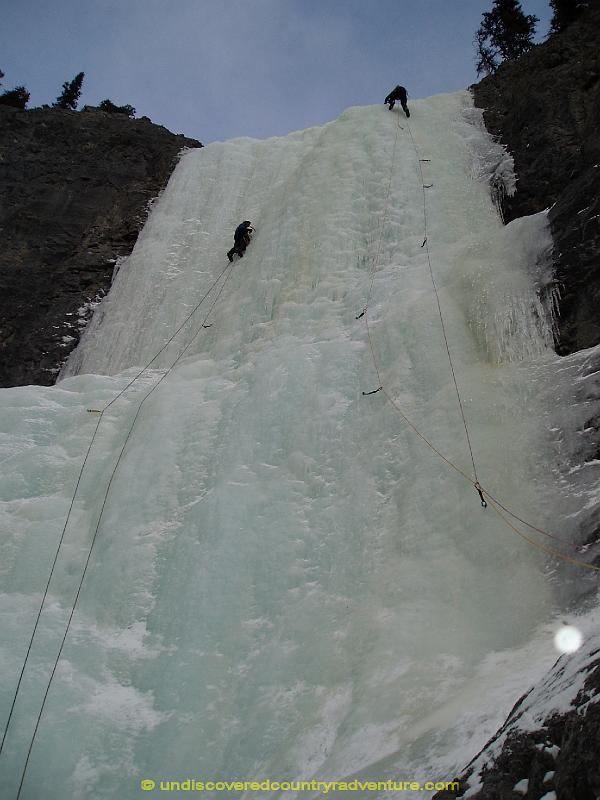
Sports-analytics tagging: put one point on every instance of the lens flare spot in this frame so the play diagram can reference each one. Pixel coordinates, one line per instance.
(568, 639)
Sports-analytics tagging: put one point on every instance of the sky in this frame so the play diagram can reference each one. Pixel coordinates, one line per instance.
(219, 69)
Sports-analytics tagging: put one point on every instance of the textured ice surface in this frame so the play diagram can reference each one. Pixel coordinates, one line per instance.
(286, 583)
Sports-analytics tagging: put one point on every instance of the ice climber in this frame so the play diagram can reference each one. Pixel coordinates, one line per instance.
(241, 239)
(399, 93)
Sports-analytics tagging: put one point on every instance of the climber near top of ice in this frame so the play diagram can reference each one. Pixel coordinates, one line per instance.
(241, 239)
(398, 93)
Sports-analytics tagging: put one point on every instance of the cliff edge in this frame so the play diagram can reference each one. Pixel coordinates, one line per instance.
(545, 107)
(76, 187)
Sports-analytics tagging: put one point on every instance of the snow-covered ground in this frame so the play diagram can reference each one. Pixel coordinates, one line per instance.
(286, 583)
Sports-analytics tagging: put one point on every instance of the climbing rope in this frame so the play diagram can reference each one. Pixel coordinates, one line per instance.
(167, 343)
(364, 315)
(546, 548)
(76, 490)
(485, 496)
(97, 528)
(439, 307)
(75, 493)
(101, 412)
(483, 493)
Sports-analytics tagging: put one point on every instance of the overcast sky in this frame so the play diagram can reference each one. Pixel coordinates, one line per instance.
(215, 69)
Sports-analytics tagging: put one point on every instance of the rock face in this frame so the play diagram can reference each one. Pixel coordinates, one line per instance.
(76, 187)
(560, 755)
(545, 107)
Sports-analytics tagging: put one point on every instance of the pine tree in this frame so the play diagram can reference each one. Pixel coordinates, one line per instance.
(506, 32)
(486, 60)
(17, 97)
(564, 13)
(107, 105)
(70, 93)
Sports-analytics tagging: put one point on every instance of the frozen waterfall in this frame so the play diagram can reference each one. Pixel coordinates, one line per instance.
(286, 582)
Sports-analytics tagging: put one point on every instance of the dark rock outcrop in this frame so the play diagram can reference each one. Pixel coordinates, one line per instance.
(561, 756)
(76, 187)
(545, 107)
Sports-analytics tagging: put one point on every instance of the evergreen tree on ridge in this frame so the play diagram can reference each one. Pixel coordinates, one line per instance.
(70, 93)
(506, 32)
(565, 12)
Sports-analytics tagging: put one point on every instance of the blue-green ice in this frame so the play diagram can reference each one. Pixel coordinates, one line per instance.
(286, 582)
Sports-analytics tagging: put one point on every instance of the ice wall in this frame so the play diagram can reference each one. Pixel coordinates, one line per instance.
(286, 583)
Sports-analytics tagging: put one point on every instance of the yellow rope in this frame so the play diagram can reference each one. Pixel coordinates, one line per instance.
(545, 548)
(493, 501)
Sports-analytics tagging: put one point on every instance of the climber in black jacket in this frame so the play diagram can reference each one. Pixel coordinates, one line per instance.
(241, 239)
(399, 93)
